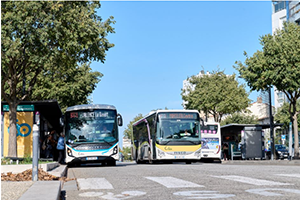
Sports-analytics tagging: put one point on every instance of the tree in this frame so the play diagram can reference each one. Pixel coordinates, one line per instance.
(71, 87)
(277, 64)
(216, 94)
(239, 118)
(128, 131)
(283, 116)
(38, 36)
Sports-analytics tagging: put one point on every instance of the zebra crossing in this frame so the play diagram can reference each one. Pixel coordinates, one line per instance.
(85, 185)
(252, 181)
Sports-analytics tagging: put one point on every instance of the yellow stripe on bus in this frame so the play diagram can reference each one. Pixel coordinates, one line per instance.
(168, 148)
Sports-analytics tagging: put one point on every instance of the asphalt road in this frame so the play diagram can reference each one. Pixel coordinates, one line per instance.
(183, 181)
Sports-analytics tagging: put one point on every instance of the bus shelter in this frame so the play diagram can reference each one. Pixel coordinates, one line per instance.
(245, 141)
(46, 114)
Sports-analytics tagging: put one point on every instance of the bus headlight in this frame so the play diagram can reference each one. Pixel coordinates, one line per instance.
(197, 153)
(69, 152)
(115, 150)
(160, 153)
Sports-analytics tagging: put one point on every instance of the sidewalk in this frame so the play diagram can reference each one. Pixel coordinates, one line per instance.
(262, 162)
(30, 190)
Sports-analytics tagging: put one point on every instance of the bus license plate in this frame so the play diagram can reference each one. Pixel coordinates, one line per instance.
(179, 157)
(91, 158)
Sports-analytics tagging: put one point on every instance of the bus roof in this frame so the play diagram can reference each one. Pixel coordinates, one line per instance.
(160, 111)
(91, 106)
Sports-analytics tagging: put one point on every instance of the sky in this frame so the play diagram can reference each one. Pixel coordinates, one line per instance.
(160, 44)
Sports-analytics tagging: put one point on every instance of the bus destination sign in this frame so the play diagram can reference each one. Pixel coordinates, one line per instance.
(178, 115)
(84, 115)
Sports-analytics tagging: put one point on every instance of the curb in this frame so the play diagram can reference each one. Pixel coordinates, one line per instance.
(20, 168)
(46, 190)
(261, 162)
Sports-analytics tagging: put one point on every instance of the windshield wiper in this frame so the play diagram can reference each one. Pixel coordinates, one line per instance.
(103, 141)
(180, 141)
(80, 140)
(195, 143)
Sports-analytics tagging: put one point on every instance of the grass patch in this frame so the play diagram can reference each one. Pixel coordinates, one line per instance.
(25, 160)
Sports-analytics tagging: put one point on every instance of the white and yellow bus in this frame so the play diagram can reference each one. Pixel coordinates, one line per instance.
(211, 141)
(167, 135)
(91, 134)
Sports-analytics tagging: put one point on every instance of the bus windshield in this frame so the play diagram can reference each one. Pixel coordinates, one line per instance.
(96, 126)
(178, 127)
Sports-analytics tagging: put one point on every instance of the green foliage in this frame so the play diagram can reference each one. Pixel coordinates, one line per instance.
(26, 160)
(278, 64)
(127, 153)
(43, 38)
(128, 131)
(283, 116)
(239, 118)
(70, 87)
(217, 94)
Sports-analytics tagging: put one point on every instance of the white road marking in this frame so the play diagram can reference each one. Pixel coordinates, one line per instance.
(264, 191)
(290, 175)
(93, 184)
(171, 182)
(90, 194)
(203, 194)
(123, 195)
(252, 181)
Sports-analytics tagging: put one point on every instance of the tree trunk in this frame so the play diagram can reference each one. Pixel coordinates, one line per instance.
(296, 137)
(12, 142)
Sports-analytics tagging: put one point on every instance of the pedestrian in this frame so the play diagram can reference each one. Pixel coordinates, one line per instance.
(48, 146)
(225, 151)
(61, 149)
(54, 140)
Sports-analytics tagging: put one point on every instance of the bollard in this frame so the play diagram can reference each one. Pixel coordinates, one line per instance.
(35, 146)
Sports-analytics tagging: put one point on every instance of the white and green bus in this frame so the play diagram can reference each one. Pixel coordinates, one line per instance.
(167, 135)
(211, 142)
(91, 134)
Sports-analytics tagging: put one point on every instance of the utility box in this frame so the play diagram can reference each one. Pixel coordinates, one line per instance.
(252, 143)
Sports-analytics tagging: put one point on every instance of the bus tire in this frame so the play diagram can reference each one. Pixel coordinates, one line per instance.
(188, 162)
(70, 165)
(111, 163)
(138, 161)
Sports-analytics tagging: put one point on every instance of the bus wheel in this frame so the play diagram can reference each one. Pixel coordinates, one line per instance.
(138, 161)
(70, 165)
(188, 162)
(111, 163)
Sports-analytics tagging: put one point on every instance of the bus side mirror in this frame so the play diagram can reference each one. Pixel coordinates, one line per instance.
(120, 120)
(61, 121)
